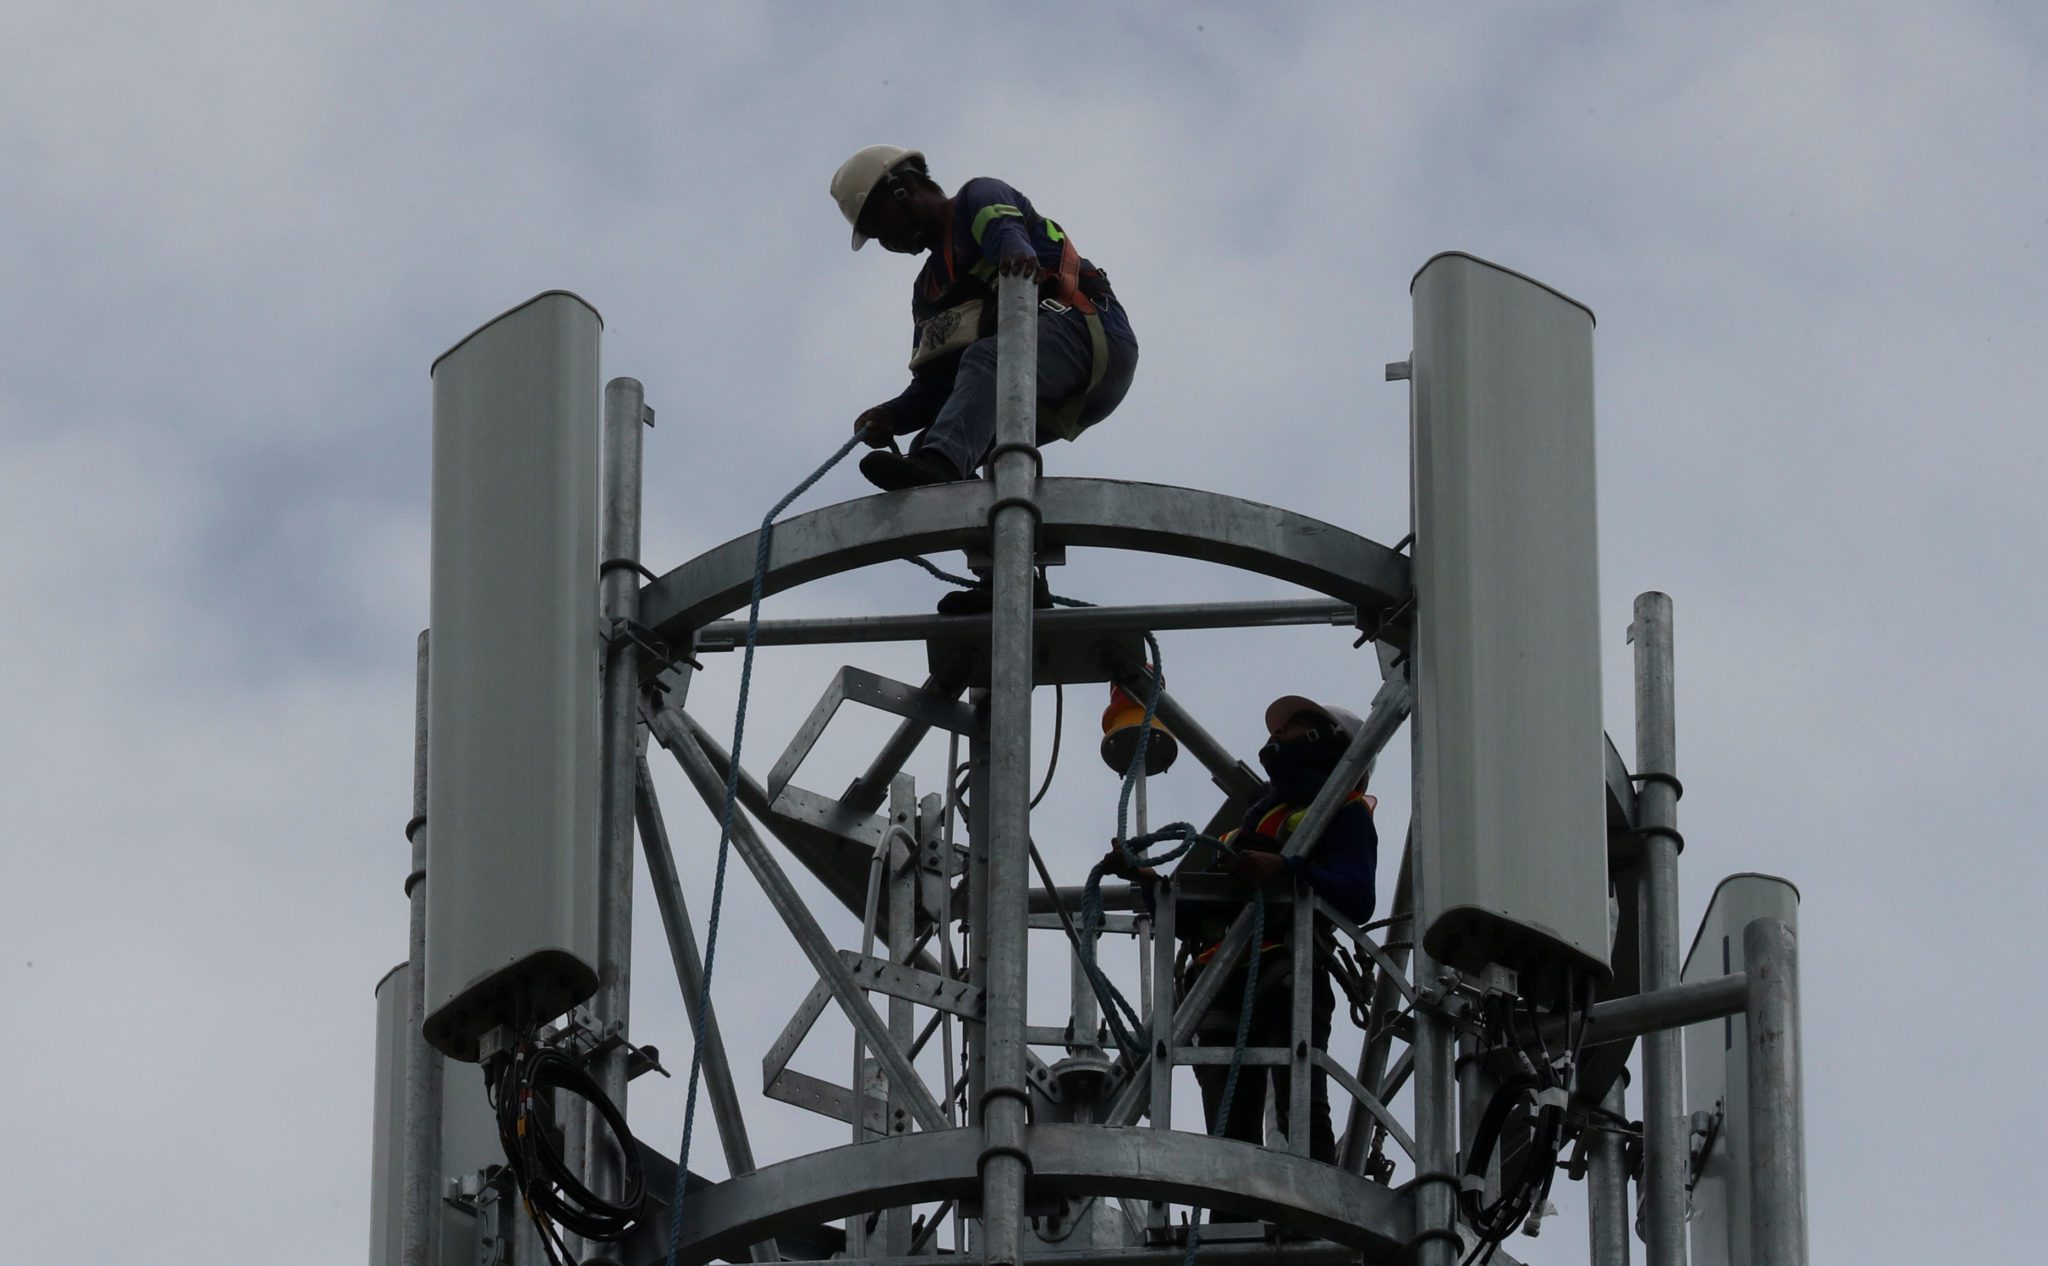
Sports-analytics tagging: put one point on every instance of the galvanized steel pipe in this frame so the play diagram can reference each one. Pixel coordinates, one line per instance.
(1777, 1131)
(1436, 1127)
(619, 603)
(422, 1158)
(1607, 1205)
(1013, 531)
(1664, 1118)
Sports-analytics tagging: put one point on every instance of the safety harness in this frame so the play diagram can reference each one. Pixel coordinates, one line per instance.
(1269, 835)
(971, 315)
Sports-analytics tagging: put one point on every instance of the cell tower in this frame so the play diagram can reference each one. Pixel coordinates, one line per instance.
(1533, 938)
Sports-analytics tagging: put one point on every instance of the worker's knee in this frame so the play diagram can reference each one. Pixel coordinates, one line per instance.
(980, 357)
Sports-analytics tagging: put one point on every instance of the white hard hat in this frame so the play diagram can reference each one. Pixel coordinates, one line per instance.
(1287, 707)
(858, 176)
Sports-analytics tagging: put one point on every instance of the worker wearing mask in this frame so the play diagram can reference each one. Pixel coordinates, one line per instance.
(1305, 741)
(1086, 350)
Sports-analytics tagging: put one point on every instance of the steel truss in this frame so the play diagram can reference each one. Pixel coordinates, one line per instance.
(1076, 1160)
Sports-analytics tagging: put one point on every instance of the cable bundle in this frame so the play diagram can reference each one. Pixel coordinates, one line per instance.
(522, 1091)
(1537, 1097)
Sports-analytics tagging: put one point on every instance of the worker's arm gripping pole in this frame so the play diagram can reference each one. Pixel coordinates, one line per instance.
(618, 585)
(1664, 1120)
(1013, 530)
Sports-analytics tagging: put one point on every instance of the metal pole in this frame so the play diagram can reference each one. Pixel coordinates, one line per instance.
(625, 412)
(1159, 1038)
(1301, 1024)
(1607, 1211)
(1629, 1017)
(1777, 1130)
(1013, 531)
(974, 1031)
(421, 1243)
(857, 1112)
(899, 851)
(719, 1087)
(1386, 1000)
(1664, 1118)
(1436, 1127)
(1432, 1051)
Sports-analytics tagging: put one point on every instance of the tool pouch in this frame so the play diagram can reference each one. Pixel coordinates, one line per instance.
(947, 332)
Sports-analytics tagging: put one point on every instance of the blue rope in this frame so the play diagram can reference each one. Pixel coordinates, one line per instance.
(732, 787)
(974, 582)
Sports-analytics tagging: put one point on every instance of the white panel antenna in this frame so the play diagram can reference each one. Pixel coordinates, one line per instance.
(1510, 829)
(512, 767)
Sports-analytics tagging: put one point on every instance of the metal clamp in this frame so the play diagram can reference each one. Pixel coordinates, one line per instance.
(1018, 446)
(1669, 780)
(625, 564)
(1025, 503)
(625, 630)
(1668, 832)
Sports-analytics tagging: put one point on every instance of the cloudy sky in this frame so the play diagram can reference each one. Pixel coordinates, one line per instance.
(234, 236)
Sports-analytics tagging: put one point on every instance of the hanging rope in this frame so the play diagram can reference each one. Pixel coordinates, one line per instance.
(732, 787)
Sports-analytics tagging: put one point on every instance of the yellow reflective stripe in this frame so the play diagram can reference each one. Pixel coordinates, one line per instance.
(1054, 233)
(1294, 819)
(991, 212)
(985, 271)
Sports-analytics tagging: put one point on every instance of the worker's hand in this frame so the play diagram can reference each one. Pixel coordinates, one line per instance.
(1255, 867)
(1113, 863)
(1020, 265)
(873, 427)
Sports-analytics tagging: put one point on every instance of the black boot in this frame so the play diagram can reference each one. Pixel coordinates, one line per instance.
(892, 472)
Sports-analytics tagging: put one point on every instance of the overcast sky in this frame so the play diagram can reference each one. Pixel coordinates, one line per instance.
(234, 236)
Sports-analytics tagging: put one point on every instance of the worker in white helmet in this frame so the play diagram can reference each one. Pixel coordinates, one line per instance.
(1086, 350)
(1305, 741)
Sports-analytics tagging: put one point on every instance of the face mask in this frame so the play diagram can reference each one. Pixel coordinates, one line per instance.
(1299, 767)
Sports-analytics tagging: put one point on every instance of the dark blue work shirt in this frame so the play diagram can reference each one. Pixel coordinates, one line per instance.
(990, 221)
(1343, 866)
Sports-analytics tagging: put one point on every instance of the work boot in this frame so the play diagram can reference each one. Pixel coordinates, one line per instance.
(893, 472)
(981, 599)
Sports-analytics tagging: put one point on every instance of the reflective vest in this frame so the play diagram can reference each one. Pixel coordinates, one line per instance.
(1271, 835)
(1069, 286)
